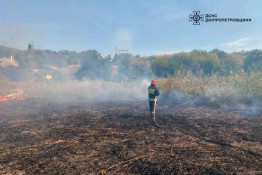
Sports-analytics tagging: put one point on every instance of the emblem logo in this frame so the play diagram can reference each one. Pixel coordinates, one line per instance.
(196, 18)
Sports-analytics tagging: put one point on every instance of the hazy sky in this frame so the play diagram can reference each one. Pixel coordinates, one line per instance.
(144, 27)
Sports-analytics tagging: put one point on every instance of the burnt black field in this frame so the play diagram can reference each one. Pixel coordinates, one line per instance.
(39, 137)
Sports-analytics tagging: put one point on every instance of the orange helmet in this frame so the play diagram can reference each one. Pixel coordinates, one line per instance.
(153, 81)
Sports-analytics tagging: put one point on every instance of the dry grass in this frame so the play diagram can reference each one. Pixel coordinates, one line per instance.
(241, 89)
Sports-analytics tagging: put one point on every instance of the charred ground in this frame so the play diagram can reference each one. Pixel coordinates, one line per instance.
(39, 137)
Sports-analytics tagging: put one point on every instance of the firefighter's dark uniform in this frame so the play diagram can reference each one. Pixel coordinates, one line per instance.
(153, 92)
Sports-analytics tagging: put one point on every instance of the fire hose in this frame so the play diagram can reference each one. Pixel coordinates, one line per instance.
(154, 113)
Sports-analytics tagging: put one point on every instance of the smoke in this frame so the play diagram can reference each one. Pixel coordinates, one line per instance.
(228, 97)
(90, 91)
(93, 82)
(232, 97)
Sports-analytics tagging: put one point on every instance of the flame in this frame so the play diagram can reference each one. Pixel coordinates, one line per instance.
(48, 77)
(2, 99)
(17, 95)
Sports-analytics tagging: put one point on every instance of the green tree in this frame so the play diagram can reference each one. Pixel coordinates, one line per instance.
(253, 62)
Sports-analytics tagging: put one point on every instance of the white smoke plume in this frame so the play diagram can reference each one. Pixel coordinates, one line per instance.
(89, 91)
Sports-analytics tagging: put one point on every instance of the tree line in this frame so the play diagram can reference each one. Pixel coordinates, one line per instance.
(128, 67)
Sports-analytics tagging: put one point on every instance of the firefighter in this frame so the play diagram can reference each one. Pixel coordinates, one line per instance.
(153, 92)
